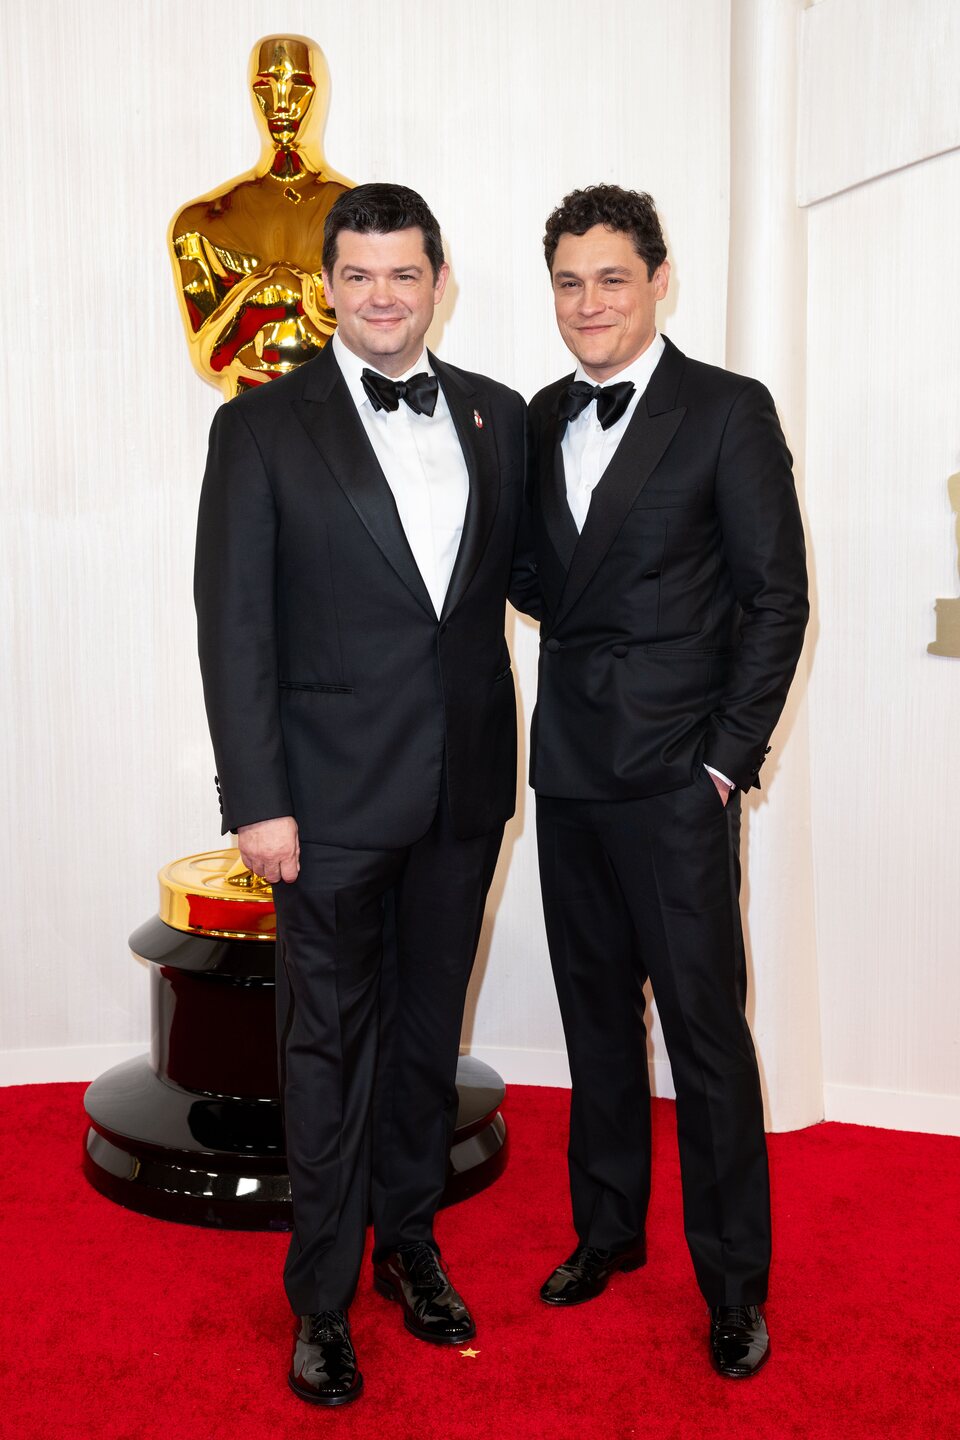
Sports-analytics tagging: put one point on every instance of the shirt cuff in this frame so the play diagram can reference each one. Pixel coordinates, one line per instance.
(720, 776)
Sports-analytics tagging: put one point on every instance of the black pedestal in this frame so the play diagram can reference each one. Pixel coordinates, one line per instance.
(193, 1131)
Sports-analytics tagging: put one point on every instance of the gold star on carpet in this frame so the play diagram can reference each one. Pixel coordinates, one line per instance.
(470, 1354)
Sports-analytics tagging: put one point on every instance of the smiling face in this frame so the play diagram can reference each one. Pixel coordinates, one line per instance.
(283, 87)
(605, 302)
(384, 292)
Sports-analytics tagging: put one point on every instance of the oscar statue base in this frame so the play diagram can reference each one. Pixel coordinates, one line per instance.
(193, 1131)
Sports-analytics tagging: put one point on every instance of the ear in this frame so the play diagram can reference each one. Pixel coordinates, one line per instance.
(661, 279)
(439, 285)
(327, 279)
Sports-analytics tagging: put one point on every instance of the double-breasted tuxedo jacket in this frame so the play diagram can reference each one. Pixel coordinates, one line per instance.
(333, 690)
(671, 627)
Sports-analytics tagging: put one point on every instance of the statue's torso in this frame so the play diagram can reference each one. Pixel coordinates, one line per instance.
(267, 219)
(249, 257)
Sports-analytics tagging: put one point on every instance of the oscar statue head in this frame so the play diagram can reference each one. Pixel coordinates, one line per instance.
(290, 84)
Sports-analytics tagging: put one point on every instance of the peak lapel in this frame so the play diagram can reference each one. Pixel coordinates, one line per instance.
(558, 521)
(637, 456)
(329, 416)
(479, 446)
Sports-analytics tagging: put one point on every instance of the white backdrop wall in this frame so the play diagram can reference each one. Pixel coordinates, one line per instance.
(765, 336)
(883, 436)
(882, 439)
(494, 111)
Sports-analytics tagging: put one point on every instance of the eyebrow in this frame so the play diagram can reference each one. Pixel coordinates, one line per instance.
(605, 270)
(397, 269)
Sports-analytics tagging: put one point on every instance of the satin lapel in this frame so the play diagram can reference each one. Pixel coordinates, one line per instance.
(558, 521)
(479, 446)
(637, 456)
(329, 416)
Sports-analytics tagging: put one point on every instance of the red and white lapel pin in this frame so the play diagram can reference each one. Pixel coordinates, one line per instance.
(478, 419)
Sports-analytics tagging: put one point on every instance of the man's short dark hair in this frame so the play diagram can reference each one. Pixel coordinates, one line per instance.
(630, 211)
(380, 209)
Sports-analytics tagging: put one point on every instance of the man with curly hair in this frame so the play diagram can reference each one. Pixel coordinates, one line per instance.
(671, 562)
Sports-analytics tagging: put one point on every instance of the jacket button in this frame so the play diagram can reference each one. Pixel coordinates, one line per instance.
(443, 628)
(553, 645)
(621, 651)
(651, 574)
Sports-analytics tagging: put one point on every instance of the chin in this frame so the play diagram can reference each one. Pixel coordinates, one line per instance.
(595, 361)
(385, 344)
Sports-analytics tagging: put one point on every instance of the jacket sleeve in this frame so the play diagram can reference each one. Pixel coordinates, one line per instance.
(763, 547)
(525, 579)
(235, 596)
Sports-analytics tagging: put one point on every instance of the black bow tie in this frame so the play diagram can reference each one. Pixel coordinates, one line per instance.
(612, 401)
(420, 391)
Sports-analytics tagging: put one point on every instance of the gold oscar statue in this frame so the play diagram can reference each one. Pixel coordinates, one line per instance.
(194, 1130)
(948, 611)
(246, 259)
(246, 256)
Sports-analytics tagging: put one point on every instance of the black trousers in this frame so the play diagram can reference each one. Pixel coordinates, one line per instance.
(375, 949)
(650, 888)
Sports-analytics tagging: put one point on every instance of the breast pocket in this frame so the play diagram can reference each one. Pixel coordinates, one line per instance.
(669, 494)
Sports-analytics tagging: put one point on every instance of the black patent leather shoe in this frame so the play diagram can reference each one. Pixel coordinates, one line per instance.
(432, 1309)
(324, 1366)
(739, 1342)
(585, 1274)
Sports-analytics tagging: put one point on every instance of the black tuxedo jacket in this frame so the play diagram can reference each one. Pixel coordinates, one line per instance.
(333, 691)
(671, 626)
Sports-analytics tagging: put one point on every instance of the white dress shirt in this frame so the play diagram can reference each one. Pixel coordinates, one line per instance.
(588, 449)
(421, 457)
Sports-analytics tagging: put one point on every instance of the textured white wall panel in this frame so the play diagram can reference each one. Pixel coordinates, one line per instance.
(878, 89)
(130, 110)
(883, 407)
(765, 336)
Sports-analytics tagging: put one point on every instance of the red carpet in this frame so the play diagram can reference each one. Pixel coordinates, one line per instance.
(117, 1326)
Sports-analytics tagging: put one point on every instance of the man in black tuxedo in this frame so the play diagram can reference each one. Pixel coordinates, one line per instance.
(355, 544)
(671, 563)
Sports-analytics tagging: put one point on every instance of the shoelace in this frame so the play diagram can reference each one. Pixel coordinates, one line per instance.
(327, 1325)
(590, 1255)
(424, 1266)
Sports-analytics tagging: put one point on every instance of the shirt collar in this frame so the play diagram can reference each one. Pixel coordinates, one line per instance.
(639, 370)
(353, 367)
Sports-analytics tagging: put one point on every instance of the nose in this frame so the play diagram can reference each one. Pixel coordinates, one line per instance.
(382, 293)
(591, 302)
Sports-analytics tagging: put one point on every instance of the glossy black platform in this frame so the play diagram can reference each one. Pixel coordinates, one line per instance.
(193, 1131)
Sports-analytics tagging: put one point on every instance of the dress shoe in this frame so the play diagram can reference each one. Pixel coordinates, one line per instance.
(739, 1343)
(432, 1309)
(324, 1366)
(585, 1274)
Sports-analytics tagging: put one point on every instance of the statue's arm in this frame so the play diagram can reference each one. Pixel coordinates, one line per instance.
(214, 280)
